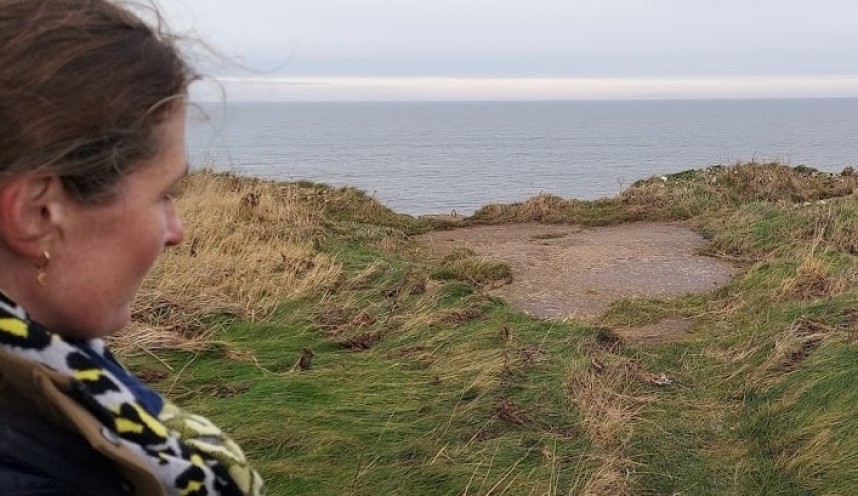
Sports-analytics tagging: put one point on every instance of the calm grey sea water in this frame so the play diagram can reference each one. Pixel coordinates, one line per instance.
(437, 157)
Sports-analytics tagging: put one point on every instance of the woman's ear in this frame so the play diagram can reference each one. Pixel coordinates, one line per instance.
(31, 208)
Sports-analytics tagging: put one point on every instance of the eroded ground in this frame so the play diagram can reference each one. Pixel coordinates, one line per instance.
(562, 271)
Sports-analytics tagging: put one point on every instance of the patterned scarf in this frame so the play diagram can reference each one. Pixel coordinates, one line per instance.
(190, 455)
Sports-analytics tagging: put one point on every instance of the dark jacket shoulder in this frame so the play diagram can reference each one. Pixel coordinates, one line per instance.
(70, 440)
(39, 458)
(17, 479)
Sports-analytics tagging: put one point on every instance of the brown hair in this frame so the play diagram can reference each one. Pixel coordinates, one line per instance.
(83, 86)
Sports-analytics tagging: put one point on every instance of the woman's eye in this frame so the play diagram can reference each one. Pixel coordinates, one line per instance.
(175, 192)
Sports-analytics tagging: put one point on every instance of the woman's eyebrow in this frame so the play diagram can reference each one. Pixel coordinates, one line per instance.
(185, 173)
(177, 180)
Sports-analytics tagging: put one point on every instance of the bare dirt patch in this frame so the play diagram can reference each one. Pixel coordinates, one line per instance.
(562, 271)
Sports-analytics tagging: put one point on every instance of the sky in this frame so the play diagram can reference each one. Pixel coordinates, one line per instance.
(336, 50)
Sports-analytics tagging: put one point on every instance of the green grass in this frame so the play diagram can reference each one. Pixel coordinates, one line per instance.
(423, 384)
(416, 414)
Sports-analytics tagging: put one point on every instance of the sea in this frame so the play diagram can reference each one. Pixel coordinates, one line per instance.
(455, 157)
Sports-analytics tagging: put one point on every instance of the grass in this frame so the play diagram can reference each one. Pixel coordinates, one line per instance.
(304, 320)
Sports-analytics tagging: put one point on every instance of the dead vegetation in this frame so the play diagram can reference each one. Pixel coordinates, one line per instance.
(793, 346)
(465, 265)
(249, 246)
(363, 341)
(683, 195)
(813, 279)
(609, 391)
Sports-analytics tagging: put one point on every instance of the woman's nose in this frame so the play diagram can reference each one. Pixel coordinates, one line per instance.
(175, 230)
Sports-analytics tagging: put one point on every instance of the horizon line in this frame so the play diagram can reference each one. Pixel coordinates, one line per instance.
(382, 89)
(534, 100)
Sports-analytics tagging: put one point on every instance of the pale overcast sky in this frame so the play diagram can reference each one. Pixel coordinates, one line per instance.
(536, 49)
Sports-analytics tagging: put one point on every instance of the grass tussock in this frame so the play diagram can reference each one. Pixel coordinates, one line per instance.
(345, 361)
(550, 209)
(476, 270)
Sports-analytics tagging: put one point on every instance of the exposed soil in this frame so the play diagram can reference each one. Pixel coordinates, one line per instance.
(562, 271)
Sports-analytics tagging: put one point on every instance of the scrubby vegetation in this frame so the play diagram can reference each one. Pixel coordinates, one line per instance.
(347, 361)
(683, 196)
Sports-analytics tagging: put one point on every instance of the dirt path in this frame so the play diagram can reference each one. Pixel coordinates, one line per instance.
(563, 271)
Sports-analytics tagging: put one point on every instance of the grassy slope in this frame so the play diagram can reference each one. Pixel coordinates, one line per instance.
(421, 384)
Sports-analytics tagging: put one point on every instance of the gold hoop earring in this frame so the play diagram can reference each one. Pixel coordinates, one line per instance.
(41, 265)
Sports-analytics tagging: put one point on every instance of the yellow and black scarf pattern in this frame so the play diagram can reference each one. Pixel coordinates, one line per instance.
(190, 455)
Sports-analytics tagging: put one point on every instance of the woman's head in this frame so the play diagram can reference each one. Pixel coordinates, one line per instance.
(83, 85)
(92, 107)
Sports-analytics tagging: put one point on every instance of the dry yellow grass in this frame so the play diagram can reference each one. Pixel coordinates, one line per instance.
(249, 246)
(812, 280)
(541, 208)
(603, 391)
(792, 347)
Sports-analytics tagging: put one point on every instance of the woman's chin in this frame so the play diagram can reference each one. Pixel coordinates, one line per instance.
(123, 318)
(118, 321)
